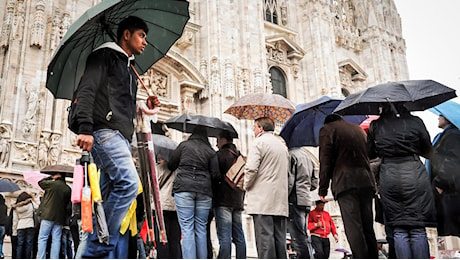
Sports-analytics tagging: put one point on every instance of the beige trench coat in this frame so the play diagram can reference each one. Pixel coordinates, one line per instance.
(266, 176)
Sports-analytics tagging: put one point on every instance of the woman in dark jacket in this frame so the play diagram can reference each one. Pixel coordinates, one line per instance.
(399, 139)
(196, 164)
(3, 223)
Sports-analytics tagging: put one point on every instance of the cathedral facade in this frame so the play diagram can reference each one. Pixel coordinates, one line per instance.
(301, 49)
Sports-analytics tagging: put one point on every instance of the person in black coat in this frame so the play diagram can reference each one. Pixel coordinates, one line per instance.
(445, 176)
(196, 164)
(3, 223)
(399, 138)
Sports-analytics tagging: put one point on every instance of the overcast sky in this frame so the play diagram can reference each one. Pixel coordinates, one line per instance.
(432, 34)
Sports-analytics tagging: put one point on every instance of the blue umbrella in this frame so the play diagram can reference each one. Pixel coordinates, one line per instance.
(302, 128)
(450, 110)
(8, 186)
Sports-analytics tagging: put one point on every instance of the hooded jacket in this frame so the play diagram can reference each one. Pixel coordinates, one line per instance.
(302, 179)
(23, 215)
(106, 95)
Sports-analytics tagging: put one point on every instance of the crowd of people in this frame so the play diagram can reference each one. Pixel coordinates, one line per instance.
(277, 189)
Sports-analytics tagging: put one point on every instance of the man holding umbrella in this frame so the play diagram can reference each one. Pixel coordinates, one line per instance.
(105, 106)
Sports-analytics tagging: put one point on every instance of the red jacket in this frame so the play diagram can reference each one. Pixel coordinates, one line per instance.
(316, 216)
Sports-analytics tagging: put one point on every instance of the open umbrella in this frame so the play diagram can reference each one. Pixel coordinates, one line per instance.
(8, 186)
(165, 19)
(256, 105)
(450, 110)
(33, 177)
(416, 95)
(302, 128)
(163, 146)
(187, 123)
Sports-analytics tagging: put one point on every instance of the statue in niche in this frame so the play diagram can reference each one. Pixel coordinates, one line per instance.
(19, 26)
(32, 104)
(4, 151)
(43, 147)
(53, 152)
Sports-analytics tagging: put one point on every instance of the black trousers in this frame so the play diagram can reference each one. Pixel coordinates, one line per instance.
(356, 209)
(322, 247)
(270, 233)
(172, 249)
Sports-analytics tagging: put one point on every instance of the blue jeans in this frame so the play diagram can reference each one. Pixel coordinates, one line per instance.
(66, 244)
(25, 243)
(411, 243)
(119, 186)
(2, 237)
(192, 211)
(48, 228)
(230, 228)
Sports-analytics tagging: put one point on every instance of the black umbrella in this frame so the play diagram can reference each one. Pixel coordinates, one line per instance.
(163, 146)
(416, 95)
(165, 19)
(8, 186)
(186, 123)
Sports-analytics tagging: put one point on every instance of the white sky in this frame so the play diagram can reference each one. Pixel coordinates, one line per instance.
(432, 34)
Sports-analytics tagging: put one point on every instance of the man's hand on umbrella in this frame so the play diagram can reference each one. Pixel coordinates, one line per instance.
(85, 142)
(152, 106)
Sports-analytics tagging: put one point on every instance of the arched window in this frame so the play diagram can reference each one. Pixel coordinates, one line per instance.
(271, 11)
(278, 81)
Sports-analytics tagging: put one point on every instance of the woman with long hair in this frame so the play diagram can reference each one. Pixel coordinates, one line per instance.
(23, 222)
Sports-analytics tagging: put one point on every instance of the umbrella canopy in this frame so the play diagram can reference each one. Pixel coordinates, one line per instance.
(8, 186)
(256, 105)
(450, 110)
(186, 123)
(66, 170)
(302, 128)
(165, 19)
(163, 146)
(416, 95)
(33, 177)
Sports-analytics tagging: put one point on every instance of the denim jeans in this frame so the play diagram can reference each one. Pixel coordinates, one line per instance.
(411, 243)
(25, 243)
(230, 228)
(66, 244)
(192, 210)
(48, 228)
(119, 186)
(2, 237)
(297, 227)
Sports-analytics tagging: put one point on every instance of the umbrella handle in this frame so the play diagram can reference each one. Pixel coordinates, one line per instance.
(149, 91)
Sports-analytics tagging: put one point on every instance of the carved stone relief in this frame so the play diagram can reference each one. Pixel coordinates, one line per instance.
(29, 121)
(5, 139)
(19, 24)
(204, 71)
(55, 148)
(25, 152)
(229, 79)
(37, 32)
(243, 82)
(8, 23)
(156, 81)
(43, 147)
(215, 76)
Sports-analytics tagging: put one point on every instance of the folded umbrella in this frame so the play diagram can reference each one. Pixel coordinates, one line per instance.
(302, 128)
(186, 123)
(450, 110)
(415, 95)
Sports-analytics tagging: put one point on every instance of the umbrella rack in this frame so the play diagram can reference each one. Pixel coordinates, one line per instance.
(148, 176)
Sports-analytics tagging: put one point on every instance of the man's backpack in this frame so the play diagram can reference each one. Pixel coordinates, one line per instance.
(235, 175)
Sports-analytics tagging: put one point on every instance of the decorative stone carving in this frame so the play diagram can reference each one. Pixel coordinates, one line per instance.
(55, 32)
(188, 36)
(258, 81)
(7, 24)
(5, 136)
(243, 82)
(19, 25)
(43, 147)
(54, 150)
(229, 79)
(38, 28)
(32, 105)
(215, 76)
(156, 81)
(204, 71)
(27, 153)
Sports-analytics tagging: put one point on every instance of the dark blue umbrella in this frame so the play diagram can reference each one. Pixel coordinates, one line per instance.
(8, 186)
(302, 128)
